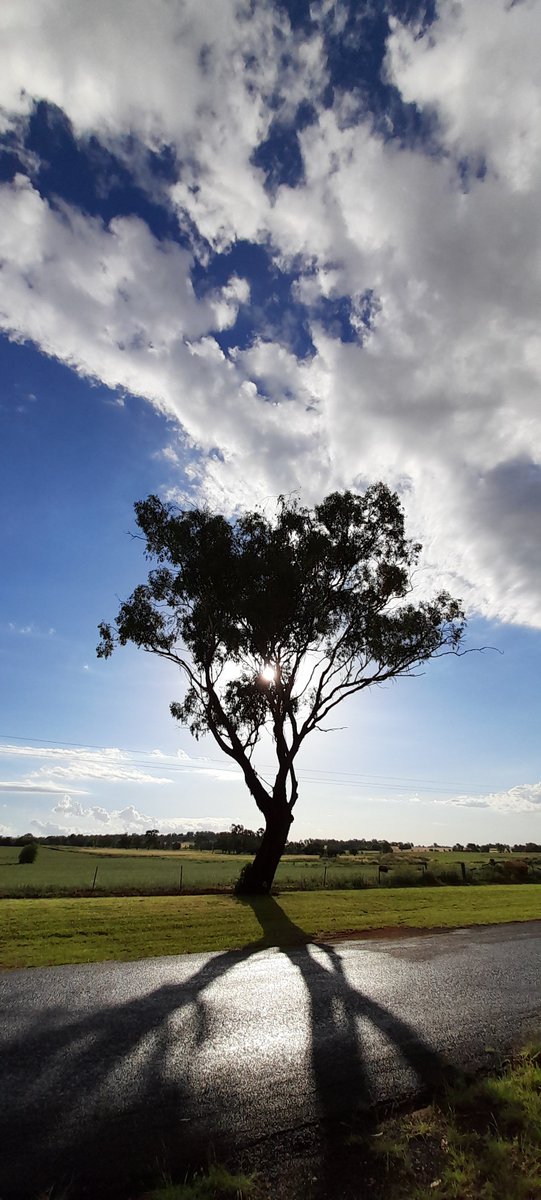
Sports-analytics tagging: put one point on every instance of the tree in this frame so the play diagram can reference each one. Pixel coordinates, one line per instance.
(29, 852)
(275, 622)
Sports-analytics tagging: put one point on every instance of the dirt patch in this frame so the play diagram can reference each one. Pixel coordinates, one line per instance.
(387, 931)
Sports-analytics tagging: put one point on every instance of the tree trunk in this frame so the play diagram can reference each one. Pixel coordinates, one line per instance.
(256, 879)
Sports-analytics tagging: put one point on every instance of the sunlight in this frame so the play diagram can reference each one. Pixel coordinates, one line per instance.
(268, 673)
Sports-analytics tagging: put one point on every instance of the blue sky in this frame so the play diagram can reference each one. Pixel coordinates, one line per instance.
(274, 248)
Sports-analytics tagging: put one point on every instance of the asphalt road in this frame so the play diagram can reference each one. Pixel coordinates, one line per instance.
(103, 1067)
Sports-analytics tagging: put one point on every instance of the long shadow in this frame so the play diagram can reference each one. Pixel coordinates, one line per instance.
(59, 1124)
(57, 1128)
(343, 1021)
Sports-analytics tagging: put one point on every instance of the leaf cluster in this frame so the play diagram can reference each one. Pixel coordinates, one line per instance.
(320, 595)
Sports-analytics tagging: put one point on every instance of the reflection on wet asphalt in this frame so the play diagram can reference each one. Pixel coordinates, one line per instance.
(113, 1062)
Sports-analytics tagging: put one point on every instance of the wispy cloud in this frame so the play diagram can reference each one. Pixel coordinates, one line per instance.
(65, 765)
(61, 768)
(29, 630)
(46, 788)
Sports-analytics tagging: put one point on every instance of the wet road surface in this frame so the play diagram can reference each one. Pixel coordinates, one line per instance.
(108, 1065)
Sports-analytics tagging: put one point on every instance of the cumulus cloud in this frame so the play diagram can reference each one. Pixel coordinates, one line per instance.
(523, 798)
(95, 819)
(438, 256)
(128, 818)
(480, 72)
(117, 305)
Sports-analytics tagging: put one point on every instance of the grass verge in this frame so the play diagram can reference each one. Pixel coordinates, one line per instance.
(50, 932)
(482, 1141)
(215, 1184)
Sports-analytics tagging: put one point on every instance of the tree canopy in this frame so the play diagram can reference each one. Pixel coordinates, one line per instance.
(274, 622)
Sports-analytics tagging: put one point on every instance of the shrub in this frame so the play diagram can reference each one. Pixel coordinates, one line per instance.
(426, 879)
(405, 879)
(516, 869)
(28, 853)
(354, 883)
(449, 878)
(241, 884)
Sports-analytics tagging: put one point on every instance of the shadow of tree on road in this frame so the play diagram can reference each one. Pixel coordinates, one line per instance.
(342, 1022)
(102, 1097)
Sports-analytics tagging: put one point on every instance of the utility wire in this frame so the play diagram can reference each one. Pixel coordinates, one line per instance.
(305, 774)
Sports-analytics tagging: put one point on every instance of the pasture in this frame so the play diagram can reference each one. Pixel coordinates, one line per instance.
(70, 870)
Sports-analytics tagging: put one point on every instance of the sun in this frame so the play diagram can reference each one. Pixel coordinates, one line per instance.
(268, 673)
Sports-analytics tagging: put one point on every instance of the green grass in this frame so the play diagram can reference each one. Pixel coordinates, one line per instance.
(43, 932)
(215, 1184)
(74, 869)
(69, 870)
(482, 1141)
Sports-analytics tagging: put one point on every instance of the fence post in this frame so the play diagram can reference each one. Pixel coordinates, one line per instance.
(180, 879)
(95, 877)
(324, 876)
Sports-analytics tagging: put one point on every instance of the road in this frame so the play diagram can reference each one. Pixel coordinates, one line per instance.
(104, 1066)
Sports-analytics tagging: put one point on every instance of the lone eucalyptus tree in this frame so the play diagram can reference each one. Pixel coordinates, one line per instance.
(275, 622)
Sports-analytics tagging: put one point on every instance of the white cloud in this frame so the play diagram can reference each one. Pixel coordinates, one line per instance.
(524, 798)
(64, 766)
(96, 819)
(109, 766)
(442, 399)
(481, 73)
(32, 787)
(29, 630)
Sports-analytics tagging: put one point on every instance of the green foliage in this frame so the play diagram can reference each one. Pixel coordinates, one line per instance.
(29, 853)
(241, 605)
(479, 1140)
(250, 592)
(215, 1184)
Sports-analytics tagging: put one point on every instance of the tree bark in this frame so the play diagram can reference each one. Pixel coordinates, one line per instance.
(257, 878)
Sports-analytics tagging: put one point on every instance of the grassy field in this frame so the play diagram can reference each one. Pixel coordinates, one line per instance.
(42, 932)
(66, 870)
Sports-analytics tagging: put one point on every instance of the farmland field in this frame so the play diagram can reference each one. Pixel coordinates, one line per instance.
(69, 870)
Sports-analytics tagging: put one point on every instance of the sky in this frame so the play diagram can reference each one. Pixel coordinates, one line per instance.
(250, 248)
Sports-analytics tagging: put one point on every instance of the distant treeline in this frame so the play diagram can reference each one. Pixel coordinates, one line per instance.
(239, 840)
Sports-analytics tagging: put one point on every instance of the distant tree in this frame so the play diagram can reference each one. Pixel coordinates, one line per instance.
(152, 839)
(275, 623)
(29, 852)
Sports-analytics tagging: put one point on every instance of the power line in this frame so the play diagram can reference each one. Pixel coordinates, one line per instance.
(305, 774)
